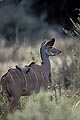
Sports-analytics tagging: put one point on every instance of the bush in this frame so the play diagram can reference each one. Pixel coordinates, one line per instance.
(40, 107)
(70, 73)
(3, 108)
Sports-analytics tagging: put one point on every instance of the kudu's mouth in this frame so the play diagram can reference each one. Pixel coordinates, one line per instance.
(59, 54)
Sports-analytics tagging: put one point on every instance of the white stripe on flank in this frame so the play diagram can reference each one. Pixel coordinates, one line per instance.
(11, 77)
(30, 79)
(20, 78)
(35, 76)
(42, 74)
(25, 79)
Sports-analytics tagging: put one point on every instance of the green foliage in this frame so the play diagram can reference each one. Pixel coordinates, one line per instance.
(70, 73)
(3, 108)
(40, 107)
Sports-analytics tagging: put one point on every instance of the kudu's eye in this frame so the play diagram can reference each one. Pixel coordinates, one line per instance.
(49, 46)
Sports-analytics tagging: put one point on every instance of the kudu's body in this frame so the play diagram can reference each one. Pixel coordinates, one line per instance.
(23, 81)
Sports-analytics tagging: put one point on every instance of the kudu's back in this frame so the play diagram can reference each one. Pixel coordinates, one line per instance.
(16, 82)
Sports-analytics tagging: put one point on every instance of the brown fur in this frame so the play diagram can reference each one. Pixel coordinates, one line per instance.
(16, 83)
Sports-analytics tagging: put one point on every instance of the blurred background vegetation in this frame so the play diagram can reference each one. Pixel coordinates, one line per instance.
(23, 25)
(35, 20)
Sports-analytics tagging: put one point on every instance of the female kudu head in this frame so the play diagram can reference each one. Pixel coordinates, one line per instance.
(48, 49)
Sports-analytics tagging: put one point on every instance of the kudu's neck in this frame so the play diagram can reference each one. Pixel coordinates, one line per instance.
(45, 63)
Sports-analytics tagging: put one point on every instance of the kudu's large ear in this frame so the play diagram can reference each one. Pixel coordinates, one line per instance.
(50, 42)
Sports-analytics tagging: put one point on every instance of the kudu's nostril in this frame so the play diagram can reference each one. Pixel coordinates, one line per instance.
(60, 53)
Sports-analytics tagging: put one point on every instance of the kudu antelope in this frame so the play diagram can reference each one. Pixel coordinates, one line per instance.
(23, 81)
